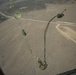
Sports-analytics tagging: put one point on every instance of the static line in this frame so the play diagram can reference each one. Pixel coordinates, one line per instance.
(67, 36)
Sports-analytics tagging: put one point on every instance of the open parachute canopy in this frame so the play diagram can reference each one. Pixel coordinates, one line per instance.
(17, 15)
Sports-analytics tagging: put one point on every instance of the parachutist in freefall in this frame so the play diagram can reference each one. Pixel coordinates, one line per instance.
(23, 31)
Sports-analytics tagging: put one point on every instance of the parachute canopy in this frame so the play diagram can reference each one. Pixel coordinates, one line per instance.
(17, 15)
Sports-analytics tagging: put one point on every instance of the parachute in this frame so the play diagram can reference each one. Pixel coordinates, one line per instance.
(17, 15)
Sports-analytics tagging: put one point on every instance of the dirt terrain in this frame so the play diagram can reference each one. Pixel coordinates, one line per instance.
(15, 55)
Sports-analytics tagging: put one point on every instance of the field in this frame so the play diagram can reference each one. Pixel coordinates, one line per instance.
(18, 53)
